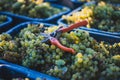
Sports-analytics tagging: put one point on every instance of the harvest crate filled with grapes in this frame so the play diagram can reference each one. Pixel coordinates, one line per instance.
(102, 17)
(43, 51)
(88, 60)
(28, 10)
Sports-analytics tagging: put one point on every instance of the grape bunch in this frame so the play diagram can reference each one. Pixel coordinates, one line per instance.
(110, 65)
(108, 20)
(9, 48)
(3, 18)
(30, 8)
(93, 60)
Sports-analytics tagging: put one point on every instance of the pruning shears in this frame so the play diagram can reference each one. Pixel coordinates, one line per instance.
(53, 37)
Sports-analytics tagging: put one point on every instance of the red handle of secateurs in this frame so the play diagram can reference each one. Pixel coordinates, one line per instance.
(55, 42)
(76, 25)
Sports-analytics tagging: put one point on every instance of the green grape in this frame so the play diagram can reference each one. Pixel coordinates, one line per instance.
(82, 47)
(57, 57)
(89, 51)
(53, 47)
(60, 62)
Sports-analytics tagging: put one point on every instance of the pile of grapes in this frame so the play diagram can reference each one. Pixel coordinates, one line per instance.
(92, 60)
(3, 18)
(102, 16)
(31, 8)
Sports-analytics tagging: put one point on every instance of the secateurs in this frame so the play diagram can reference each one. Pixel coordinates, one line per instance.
(53, 37)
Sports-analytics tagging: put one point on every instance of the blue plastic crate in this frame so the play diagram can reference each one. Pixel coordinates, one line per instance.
(8, 71)
(6, 24)
(62, 21)
(25, 72)
(53, 18)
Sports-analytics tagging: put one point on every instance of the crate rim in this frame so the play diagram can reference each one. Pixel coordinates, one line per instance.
(9, 20)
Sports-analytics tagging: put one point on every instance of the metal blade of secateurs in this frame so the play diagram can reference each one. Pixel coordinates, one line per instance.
(44, 34)
(53, 34)
(46, 37)
(59, 33)
(56, 34)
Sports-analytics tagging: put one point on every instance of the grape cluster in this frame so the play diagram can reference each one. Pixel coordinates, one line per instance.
(92, 60)
(102, 16)
(9, 48)
(31, 8)
(111, 68)
(85, 13)
(107, 20)
(3, 18)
